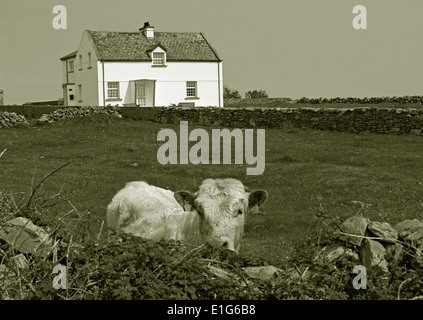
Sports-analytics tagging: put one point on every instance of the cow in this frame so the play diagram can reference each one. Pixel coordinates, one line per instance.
(215, 213)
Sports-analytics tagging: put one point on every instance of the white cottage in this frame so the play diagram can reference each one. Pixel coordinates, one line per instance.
(144, 69)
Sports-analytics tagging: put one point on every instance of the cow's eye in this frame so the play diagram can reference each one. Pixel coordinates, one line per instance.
(240, 211)
(200, 212)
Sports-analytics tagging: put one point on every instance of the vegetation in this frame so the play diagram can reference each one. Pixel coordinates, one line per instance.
(256, 94)
(305, 171)
(229, 93)
(122, 266)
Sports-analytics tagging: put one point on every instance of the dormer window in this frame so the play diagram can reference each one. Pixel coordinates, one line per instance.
(158, 58)
(158, 55)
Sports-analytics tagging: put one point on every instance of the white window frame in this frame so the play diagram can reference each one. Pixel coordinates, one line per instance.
(71, 66)
(113, 91)
(191, 89)
(159, 58)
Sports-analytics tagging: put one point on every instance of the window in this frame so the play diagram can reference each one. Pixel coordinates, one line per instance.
(80, 62)
(70, 66)
(80, 92)
(158, 58)
(191, 89)
(113, 90)
(89, 60)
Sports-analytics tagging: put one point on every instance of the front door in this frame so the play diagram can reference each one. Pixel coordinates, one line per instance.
(140, 97)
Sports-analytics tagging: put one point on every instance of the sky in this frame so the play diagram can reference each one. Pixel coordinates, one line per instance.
(289, 48)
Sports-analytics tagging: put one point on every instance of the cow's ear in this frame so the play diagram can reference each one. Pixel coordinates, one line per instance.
(185, 199)
(257, 198)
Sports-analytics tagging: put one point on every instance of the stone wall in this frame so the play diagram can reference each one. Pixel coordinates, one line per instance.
(11, 119)
(77, 112)
(29, 111)
(356, 120)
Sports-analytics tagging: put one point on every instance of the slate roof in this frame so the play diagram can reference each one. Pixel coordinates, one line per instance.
(134, 46)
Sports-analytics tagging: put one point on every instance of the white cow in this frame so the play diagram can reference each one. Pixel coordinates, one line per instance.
(216, 213)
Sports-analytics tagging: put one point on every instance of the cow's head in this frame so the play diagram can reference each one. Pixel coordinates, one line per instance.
(222, 205)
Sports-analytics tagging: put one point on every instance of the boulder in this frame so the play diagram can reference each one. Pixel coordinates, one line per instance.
(43, 119)
(407, 227)
(415, 238)
(263, 273)
(372, 255)
(383, 230)
(26, 237)
(354, 225)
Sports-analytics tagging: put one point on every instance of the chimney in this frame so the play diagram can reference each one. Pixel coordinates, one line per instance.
(147, 30)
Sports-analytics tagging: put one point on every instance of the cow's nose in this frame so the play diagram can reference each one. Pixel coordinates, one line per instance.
(226, 243)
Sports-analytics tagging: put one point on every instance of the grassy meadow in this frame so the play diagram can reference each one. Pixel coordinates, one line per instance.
(306, 172)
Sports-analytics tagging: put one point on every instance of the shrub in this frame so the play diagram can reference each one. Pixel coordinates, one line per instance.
(230, 93)
(256, 94)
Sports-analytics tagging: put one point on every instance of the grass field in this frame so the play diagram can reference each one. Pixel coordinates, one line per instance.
(305, 170)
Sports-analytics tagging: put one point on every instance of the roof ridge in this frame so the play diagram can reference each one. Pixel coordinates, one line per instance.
(137, 32)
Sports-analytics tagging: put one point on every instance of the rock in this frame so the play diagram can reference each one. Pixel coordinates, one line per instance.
(353, 255)
(360, 204)
(26, 237)
(20, 261)
(43, 119)
(406, 227)
(355, 225)
(372, 255)
(220, 273)
(395, 254)
(415, 238)
(334, 254)
(263, 273)
(417, 259)
(383, 230)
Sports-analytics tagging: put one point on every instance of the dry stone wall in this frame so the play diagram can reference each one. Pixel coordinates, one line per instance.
(378, 245)
(11, 119)
(356, 120)
(77, 112)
